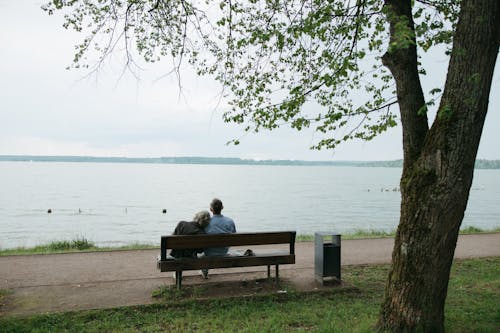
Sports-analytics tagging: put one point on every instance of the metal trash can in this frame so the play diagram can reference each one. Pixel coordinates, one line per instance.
(326, 256)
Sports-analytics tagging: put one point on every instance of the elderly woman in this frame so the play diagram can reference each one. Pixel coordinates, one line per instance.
(197, 226)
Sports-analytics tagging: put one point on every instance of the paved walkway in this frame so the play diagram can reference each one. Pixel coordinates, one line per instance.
(77, 281)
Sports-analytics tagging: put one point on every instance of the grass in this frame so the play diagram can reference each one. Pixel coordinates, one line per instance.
(374, 233)
(472, 306)
(4, 293)
(473, 230)
(171, 293)
(83, 245)
(76, 245)
(359, 233)
(356, 234)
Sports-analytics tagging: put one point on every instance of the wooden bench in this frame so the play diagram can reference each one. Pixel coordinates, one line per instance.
(178, 265)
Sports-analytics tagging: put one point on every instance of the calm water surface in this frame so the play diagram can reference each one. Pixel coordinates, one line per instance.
(115, 204)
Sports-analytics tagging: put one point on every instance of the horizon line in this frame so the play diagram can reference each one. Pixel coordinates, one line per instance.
(25, 156)
(2, 156)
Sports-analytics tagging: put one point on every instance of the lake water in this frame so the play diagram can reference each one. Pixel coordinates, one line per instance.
(116, 204)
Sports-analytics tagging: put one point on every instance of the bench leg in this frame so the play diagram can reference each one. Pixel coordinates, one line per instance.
(178, 279)
(268, 271)
(277, 274)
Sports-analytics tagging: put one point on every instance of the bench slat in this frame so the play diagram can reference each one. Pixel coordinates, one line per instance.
(226, 240)
(224, 262)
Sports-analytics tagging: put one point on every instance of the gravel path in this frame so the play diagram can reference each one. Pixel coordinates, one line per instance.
(77, 281)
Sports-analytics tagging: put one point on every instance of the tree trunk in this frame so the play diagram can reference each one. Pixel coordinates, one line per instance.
(438, 168)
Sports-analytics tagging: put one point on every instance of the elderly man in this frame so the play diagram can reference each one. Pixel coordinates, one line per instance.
(219, 224)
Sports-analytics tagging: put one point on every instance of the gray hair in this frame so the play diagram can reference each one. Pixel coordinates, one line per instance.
(202, 218)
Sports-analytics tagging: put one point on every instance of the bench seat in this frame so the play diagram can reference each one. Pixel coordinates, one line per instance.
(187, 264)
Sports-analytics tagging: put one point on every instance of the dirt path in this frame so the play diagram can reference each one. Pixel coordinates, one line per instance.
(77, 281)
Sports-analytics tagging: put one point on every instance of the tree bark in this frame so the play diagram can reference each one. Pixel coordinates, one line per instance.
(438, 169)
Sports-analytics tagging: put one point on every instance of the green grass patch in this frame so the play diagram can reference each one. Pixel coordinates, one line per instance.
(472, 306)
(169, 293)
(471, 230)
(474, 230)
(374, 233)
(76, 245)
(3, 295)
(4, 292)
(359, 233)
(133, 246)
(356, 234)
(304, 238)
(474, 296)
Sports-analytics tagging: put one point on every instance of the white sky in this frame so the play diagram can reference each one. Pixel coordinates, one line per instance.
(47, 110)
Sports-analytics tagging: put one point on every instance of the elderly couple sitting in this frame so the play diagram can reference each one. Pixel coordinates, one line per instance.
(203, 223)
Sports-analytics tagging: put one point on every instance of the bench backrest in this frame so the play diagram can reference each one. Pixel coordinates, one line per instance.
(225, 240)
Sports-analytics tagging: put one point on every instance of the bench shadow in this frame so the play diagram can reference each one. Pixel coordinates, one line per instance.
(223, 289)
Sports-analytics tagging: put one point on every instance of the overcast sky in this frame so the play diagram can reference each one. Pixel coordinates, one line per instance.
(48, 110)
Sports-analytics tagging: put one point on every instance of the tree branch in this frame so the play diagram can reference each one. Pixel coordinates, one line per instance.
(401, 59)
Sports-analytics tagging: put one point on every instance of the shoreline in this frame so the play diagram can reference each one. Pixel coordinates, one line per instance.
(82, 245)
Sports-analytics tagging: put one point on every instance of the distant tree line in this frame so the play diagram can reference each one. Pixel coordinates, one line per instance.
(480, 163)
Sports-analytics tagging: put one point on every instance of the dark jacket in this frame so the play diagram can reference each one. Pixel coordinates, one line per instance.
(187, 228)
